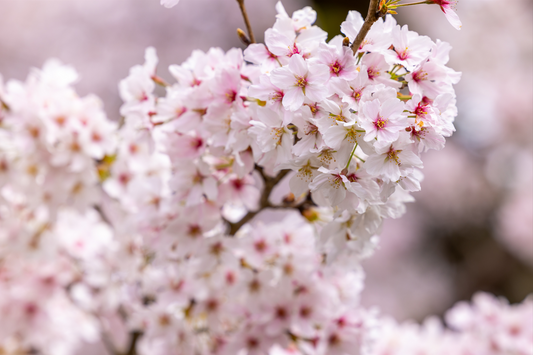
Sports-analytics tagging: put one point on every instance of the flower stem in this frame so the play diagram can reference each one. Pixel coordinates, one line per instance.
(409, 4)
(355, 155)
(351, 155)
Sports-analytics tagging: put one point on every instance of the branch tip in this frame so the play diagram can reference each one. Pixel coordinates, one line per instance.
(243, 37)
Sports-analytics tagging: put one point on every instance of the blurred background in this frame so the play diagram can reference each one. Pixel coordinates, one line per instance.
(471, 227)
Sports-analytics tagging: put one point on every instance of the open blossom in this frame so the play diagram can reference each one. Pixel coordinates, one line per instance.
(428, 79)
(383, 122)
(377, 69)
(339, 59)
(393, 160)
(352, 91)
(301, 79)
(409, 49)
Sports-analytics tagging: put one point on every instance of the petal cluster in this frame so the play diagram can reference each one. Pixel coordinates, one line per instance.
(160, 226)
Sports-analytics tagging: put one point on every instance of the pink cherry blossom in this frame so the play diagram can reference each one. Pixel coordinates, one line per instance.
(300, 80)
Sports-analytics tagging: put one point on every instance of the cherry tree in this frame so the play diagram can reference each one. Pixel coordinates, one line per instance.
(231, 215)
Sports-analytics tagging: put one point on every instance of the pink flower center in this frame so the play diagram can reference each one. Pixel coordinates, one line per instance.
(392, 154)
(294, 50)
(211, 305)
(197, 143)
(180, 111)
(426, 101)
(277, 96)
(96, 137)
(197, 178)
(336, 181)
(335, 68)
(196, 82)
(260, 246)
(313, 108)
(216, 248)
(420, 111)
(334, 340)
(252, 343)
(277, 134)
(230, 96)
(194, 230)
(124, 178)
(305, 311)
(372, 73)
(417, 134)
(311, 129)
(31, 310)
(301, 82)
(352, 178)
(230, 277)
(237, 184)
(143, 97)
(281, 313)
(420, 75)
(380, 123)
(403, 55)
(356, 95)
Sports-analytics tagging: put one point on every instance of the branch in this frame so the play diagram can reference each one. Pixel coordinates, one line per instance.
(134, 337)
(108, 344)
(264, 202)
(98, 209)
(372, 16)
(4, 106)
(246, 20)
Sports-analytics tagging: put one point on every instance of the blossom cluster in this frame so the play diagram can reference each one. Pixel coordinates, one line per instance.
(160, 232)
(50, 236)
(351, 128)
(486, 326)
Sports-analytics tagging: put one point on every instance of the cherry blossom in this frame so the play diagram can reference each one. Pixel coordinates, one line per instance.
(300, 80)
(229, 212)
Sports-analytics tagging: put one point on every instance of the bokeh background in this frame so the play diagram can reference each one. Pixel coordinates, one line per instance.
(471, 227)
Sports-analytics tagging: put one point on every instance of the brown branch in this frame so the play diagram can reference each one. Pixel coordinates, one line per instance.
(4, 106)
(270, 183)
(132, 347)
(372, 16)
(246, 20)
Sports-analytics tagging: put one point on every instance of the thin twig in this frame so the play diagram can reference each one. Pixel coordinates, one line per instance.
(98, 209)
(372, 16)
(270, 183)
(246, 20)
